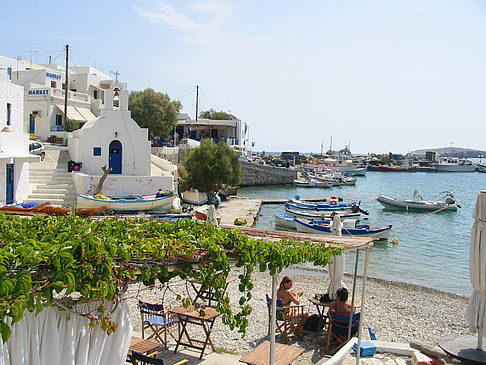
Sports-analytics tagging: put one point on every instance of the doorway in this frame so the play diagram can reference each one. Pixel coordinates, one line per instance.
(115, 157)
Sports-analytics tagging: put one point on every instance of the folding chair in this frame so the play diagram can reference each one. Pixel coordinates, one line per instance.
(140, 359)
(337, 331)
(290, 319)
(156, 318)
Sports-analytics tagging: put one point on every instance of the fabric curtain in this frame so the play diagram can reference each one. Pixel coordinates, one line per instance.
(337, 266)
(56, 337)
(476, 310)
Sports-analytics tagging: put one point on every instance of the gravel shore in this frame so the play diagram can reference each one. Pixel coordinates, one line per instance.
(396, 312)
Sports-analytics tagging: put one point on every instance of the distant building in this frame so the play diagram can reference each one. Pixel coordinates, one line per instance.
(431, 156)
(14, 144)
(233, 132)
(44, 88)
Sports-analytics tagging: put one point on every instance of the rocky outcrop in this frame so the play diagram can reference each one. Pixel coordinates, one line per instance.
(255, 174)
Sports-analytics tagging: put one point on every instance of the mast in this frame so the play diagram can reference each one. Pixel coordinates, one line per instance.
(330, 146)
(66, 88)
(197, 100)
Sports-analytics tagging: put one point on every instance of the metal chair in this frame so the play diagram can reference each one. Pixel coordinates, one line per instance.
(140, 359)
(337, 331)
(156, 318)
(290, 319)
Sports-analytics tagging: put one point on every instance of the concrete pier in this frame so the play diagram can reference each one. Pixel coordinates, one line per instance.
(236, 207)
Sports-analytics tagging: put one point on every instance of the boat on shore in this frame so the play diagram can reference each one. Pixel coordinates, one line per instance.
(417, 203)
(129, 203)
(350, 228)
(289, 222)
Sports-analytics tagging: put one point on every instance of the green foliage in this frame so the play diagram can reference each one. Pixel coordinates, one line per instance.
(210, 166)
(213, 114)
(72, 125)
(46, 258)
(155, 111)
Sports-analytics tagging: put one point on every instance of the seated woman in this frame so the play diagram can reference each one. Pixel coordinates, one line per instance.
(340, 305)
(286, 295)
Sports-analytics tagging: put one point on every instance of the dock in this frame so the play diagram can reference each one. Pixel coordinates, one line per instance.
(236, 207)
(283, 201)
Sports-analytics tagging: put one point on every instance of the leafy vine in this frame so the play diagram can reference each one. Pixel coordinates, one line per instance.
(66, 260)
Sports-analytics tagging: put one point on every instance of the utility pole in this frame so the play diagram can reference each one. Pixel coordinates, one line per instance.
(66, 87)
(50, 58)
(197, 100)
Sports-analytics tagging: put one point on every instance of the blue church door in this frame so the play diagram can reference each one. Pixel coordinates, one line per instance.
(115, 157)
(10, 184)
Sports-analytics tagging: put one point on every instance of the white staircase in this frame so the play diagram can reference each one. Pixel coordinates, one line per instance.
(50, 179)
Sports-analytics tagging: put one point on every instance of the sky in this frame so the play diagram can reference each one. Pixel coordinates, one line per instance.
(380, 76)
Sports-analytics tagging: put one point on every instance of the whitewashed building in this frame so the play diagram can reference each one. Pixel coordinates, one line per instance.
(14, 144)
(116, 141)
(44, 98)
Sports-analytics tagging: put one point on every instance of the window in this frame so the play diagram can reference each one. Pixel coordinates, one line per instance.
(9, 112)
(58, 119)
(9, 73)
(96, 151)
(53, 84)
(95, 94)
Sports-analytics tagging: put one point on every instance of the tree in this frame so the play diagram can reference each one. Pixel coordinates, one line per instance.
(210, 166)
(213, 114)
(155, 111)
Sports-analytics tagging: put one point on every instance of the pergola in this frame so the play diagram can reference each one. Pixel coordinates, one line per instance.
(348, 244)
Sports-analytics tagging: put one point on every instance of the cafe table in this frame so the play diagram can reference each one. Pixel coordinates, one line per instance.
(199, 317)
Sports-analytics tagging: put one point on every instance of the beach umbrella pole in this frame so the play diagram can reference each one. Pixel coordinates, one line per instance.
(273, 318)
(365, 273)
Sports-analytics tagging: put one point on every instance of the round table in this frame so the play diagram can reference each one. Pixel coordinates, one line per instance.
(464, 349)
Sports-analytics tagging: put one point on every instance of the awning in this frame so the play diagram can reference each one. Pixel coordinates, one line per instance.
(77, 113)
(97, 87)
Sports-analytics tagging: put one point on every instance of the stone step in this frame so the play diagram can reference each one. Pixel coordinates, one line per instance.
(54, 191)
(50, 173)
(48, 180)
(47, 196)
(56, 186)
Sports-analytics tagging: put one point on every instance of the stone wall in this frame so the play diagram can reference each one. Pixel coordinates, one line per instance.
(254, 174)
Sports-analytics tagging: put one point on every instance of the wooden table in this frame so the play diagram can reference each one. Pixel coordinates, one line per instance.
(207, 294)
(190, 315)
(142, 346)
(284, 354)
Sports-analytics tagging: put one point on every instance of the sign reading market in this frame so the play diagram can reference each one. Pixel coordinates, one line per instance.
(38, 92)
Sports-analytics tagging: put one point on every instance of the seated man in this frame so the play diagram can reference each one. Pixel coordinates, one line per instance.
(160, 194)
(340, 305)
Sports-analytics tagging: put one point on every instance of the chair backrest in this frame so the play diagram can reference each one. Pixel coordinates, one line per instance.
(269, 302)
(146, 359)
(150, 309)
(342, 319)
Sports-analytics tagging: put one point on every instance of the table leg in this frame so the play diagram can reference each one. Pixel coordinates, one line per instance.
(181, 333)
(207, 331)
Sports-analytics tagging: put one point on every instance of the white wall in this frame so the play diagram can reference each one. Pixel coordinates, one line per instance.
(118, 185)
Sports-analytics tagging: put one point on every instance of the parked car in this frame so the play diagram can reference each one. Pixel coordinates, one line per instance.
(37, 148)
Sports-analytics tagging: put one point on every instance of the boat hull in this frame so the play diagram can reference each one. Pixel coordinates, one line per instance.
(455, 168)
(392, 203)
(397, 169)
(309, 214)
(127, 205)
(379, 233)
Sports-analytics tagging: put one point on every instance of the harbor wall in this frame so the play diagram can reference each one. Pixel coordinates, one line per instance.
(255, 174)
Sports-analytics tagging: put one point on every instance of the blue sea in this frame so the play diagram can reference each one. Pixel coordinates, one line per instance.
(432, 251)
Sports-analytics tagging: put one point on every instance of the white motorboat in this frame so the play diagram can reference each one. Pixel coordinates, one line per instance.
(453, 164)
(350, 228)
(323, 215)
(419, 204)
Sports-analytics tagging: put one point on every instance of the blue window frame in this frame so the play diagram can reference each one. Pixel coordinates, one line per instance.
(96, 151)
(9, 73)
(9, 113)
(58, 119)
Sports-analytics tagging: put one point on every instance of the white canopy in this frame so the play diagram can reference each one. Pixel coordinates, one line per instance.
(337, 266)
(476, 310)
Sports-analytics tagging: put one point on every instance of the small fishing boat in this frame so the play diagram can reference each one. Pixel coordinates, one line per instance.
(350, 228)
(201, 213)
(130, 203)
(314, 183)
(419, 204)
(453, 164)
(289, 222)
(322, 215)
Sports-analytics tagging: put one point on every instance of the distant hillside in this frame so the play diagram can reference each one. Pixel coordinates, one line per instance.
(452, 152)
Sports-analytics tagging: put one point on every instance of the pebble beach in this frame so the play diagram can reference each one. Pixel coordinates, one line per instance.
(396, 311)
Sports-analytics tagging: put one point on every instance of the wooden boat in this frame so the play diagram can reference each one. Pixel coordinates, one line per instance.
(419, 204)
(322, 215)
(201, 213)
(289, 222)
(132, 203)
(350, 228)
(313, 183)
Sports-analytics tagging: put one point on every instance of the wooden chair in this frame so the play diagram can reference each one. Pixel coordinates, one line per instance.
(140, 359)
(290, 319)
(337, 331)
(156, 318)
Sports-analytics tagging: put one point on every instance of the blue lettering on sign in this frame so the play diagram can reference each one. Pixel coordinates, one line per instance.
(38, 92)
(54, 76)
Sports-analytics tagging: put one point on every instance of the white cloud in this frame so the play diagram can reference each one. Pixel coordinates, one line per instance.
(208, 31)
